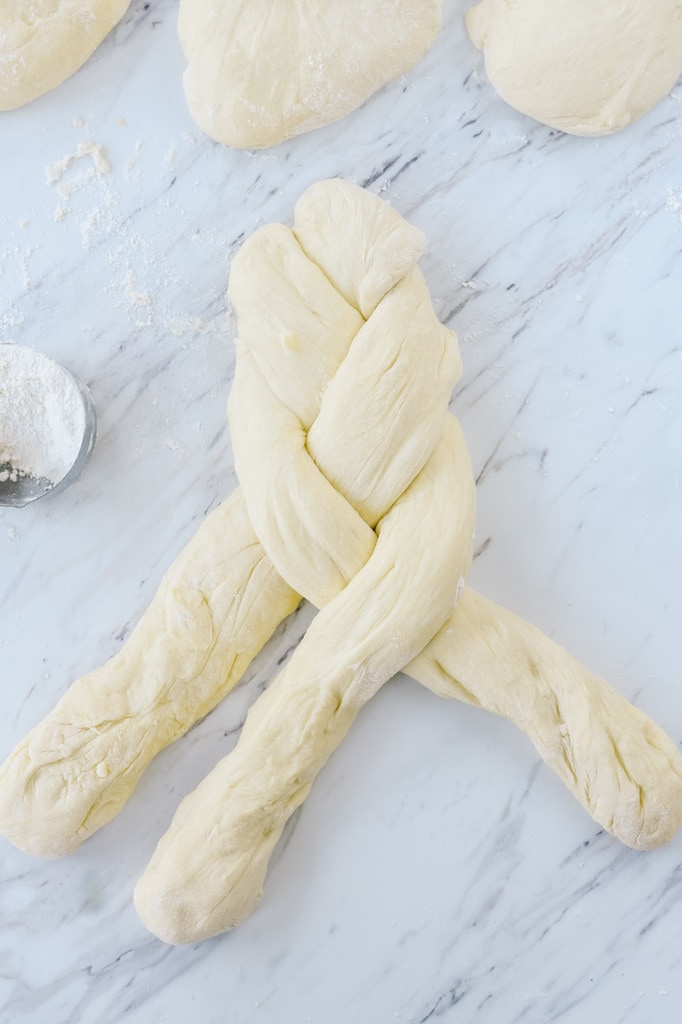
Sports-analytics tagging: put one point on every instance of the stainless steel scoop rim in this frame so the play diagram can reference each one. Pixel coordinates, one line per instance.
(14, 499)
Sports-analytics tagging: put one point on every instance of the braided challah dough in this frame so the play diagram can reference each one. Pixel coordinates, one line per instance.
(261, 71)
(360, 497)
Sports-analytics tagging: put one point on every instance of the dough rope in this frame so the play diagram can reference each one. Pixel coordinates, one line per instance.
(369, 513)
(214, 609)
(342, 382)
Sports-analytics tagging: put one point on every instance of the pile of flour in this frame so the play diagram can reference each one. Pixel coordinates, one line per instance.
(42, 419)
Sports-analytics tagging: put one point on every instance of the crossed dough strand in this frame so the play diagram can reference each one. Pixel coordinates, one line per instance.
(206, 874)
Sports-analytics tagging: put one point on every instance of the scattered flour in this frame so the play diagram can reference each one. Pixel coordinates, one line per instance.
(23, 256)
(10, 320)
(55, 172)
(132, 160)
(137, 297)
(140, 276)
(674, 202)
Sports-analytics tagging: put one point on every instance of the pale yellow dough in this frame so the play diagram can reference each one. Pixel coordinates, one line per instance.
(343, 375)
(358, 482)
(214, 610)
(260, 71)
(43, 42)
(589, 67)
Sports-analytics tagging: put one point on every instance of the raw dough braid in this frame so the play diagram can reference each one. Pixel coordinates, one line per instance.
(341, 382)
(361, 490)
(301, 336)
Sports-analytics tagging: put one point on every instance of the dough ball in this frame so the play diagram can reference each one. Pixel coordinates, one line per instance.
(43, 42)
(589, 67)
(261, 71)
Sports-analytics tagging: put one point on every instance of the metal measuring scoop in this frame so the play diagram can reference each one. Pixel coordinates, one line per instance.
(18, 490)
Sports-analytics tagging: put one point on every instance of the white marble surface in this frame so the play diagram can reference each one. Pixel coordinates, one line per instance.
(438, 870)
